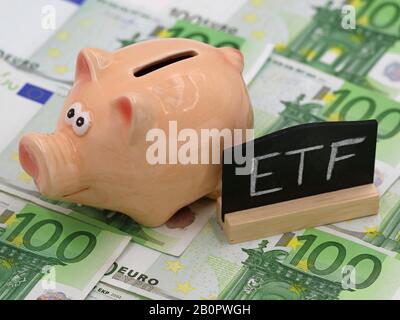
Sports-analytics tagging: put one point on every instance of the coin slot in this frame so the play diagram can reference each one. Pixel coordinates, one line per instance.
(164, 62)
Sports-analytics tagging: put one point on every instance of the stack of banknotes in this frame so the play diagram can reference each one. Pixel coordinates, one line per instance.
(303, 63)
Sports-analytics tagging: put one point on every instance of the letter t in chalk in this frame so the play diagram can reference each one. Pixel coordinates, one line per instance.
(303, 176)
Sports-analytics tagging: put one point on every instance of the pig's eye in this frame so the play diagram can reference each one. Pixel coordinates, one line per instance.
(81, 123)
(71, 113)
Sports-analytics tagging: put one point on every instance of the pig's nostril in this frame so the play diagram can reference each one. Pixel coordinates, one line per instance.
(28, 161)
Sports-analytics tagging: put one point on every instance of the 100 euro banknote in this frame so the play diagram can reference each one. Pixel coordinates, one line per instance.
(316, 263)
(366, 54)
(261, 21)
(314, 32)
(381, 230)
(111, 25)
(287, 93)
(47, 255)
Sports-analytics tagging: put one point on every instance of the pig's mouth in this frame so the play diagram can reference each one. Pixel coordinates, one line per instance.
(76, 192)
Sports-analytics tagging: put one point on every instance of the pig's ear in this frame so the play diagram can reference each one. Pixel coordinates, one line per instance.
(90, 63)
(234, 57)
(135, 113)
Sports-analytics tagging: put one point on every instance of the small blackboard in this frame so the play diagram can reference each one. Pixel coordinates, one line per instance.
(301, 161)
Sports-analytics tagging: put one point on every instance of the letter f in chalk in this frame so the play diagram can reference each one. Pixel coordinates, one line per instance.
(335, 146)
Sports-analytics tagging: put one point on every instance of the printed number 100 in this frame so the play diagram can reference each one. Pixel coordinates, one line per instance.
(51, 238)
(389, 124)
(337, 261)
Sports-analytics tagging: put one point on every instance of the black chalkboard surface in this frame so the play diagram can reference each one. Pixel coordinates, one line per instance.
(301, 161)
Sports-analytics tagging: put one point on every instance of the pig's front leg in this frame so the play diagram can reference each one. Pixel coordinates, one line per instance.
(216, 193)
(181, 219)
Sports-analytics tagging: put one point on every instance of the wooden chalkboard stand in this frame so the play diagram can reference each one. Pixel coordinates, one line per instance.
(300, 213)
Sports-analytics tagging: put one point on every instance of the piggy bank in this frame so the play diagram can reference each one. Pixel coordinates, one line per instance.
(99, 152)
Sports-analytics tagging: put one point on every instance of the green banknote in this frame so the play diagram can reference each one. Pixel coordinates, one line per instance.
(170, 239)
(46, 255)
(315, 32)
(111, 25)
(286, 93)
(387, 234)
(259, 20)
(255, 53)
(381, 230)
(367, 55)
(316, 263)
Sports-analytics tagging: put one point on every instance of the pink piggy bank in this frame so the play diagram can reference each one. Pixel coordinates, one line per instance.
(98, 154)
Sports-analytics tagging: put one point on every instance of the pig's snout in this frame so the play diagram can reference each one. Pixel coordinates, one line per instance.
(49, 160)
